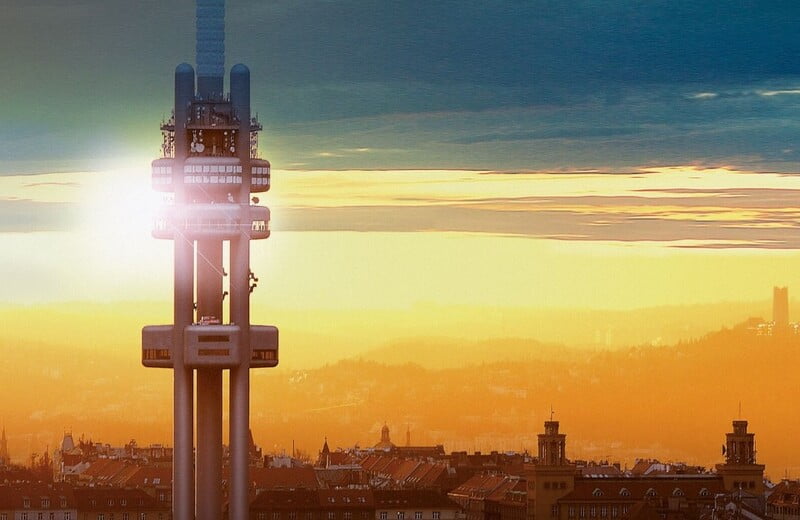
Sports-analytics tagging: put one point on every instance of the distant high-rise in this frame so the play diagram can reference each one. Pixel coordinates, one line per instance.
(780, 307)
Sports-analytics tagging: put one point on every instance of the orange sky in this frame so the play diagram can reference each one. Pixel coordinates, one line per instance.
(361, 259)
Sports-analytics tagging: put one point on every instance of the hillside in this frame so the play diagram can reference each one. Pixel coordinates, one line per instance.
(671, 402)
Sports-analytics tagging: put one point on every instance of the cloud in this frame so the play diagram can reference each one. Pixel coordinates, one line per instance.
(687, 218)
(551, 133)
(61, 184)
(26, 216)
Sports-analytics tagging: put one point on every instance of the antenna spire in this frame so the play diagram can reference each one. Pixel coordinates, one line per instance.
(210, 48)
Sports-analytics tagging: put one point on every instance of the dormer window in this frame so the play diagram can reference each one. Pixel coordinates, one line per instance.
(624, 492)
(705, 492)
(651, 492)
(678, 492)
(597, 492)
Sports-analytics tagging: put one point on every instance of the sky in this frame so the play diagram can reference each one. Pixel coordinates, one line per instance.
(450, 164)
(468, 84)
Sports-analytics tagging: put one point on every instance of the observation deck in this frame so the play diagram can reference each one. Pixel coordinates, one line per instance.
(209, 220)
(210, 346)
(211, 175)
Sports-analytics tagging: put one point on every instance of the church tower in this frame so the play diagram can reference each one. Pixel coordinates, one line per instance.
(386, 443)
(740, 470)
(552, 477)
(552, 445)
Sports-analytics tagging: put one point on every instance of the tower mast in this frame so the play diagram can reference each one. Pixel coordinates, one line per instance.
(210, 162)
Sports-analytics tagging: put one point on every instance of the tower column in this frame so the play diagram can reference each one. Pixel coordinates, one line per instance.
(240, 382)
(209, 388)
(183, 315)
(183, 385)
(240, 308)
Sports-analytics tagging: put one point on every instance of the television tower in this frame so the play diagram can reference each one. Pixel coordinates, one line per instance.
(210, 163)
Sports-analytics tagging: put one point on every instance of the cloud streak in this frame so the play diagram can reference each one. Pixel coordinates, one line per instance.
(714, 217)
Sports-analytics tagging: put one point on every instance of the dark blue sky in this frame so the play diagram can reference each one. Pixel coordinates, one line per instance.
(515, 84)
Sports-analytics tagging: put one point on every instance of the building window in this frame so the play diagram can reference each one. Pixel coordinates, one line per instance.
(262, 516)
(348, 515)
(603, 511)
(593, 511)
(39, 516)
(293, 516)
(142, 516)
(436, 515)
(418, 515)
(45, 502)
(614, 511)
(331, 515)
(309, 515)
(401, 515)
(101, 516)
(26, 503)
(625, 510)
(384, 515)
(571, 511)
(583, 511)
(597, 492)
(67, 516)
(24, 516)
(276, 515)
(52, 516)
(124, 516)
(554, 510)
(365, 515)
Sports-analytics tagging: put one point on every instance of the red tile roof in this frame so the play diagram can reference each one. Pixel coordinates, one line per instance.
(412, 498)
(787, 493)
(14, 496)
(635, 489)
(115, 499)
(284, 478)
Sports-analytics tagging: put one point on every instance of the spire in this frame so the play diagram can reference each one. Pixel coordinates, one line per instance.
(4, 457)
(325, 448)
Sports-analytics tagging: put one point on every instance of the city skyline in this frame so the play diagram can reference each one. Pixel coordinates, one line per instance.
(478, 211)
